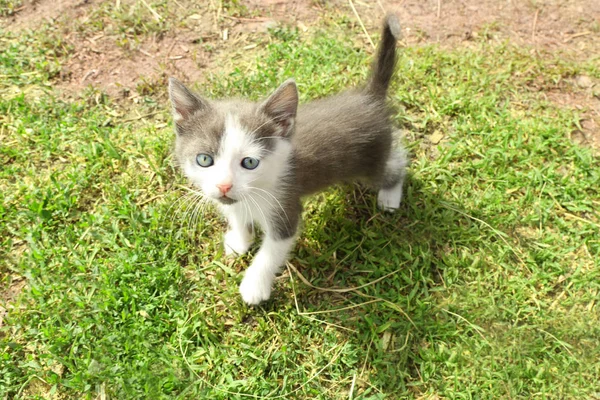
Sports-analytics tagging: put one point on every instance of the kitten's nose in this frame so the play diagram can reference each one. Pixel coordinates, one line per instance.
(224, 187)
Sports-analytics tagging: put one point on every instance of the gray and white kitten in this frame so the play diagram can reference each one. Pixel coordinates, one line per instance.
(256, 160)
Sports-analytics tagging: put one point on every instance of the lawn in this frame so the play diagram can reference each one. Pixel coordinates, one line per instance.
(485, 284)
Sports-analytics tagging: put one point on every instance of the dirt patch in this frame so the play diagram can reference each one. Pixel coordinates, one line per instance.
(8, 295)
(202, 38)
(206, 37)
(581, 95)
(189, 49)
(14, 283)
(553, 24)
(99, 63)
(33, 13)
(122, 63)
(589, 134)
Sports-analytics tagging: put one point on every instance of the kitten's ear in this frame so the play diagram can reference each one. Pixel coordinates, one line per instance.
(185, 103)
(282, 106)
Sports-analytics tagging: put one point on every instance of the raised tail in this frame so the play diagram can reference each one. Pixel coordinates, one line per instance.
(384, 64)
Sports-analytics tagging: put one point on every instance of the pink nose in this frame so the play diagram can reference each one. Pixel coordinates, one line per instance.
(224, 187)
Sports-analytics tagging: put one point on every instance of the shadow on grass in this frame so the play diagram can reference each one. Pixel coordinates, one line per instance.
(400, 265)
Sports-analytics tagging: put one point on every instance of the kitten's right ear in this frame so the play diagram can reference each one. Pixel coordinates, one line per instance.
(185, 103)
(282, 105)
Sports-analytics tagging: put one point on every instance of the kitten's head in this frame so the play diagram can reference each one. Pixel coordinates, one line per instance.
(233, 149)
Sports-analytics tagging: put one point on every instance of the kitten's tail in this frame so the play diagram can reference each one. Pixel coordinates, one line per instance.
(384, 64)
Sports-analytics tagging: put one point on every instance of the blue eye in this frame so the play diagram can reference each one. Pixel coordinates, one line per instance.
(250, 163)
(204, 160)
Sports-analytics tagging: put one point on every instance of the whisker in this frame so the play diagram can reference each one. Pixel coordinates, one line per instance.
(204, 204)
(190, 189)
(246, 205)
(245, 211)
(274, 198)
(185, 205)
(179, 201)
(268, 137)
(259, 209)
(263, 124)
(270, 203)
(192, 225)
(255, 179)
(196, 206)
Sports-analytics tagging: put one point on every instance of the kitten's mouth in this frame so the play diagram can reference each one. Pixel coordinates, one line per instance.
(226, 200)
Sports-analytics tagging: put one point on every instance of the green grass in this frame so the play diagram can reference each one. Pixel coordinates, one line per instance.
(491, 270)
(8, 7)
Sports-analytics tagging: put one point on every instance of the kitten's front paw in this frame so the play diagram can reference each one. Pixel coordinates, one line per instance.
(255, 287)
(236, 243)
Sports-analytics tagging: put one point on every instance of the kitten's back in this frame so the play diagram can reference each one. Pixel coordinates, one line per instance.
(348, 136)
(340, 138)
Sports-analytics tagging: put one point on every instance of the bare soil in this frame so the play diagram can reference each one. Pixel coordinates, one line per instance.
(8, 295)
(211, 35)
(33, 13)
(211, 39)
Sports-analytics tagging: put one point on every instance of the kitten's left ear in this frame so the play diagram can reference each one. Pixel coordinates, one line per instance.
(282, 106)
(185, 103)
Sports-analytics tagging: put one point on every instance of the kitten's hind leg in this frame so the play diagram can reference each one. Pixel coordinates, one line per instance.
(390, 194)
(240, 235)
(389, 199)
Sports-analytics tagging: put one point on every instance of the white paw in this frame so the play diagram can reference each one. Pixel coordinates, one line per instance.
(236, 243)
(389, 199)
(256, 287)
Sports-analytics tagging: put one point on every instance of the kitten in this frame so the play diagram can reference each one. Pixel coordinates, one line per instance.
(256, 160)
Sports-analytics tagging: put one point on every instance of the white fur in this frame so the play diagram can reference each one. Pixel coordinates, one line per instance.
(238, 238)
(389, 199)
(236, 243)
(258, 280)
